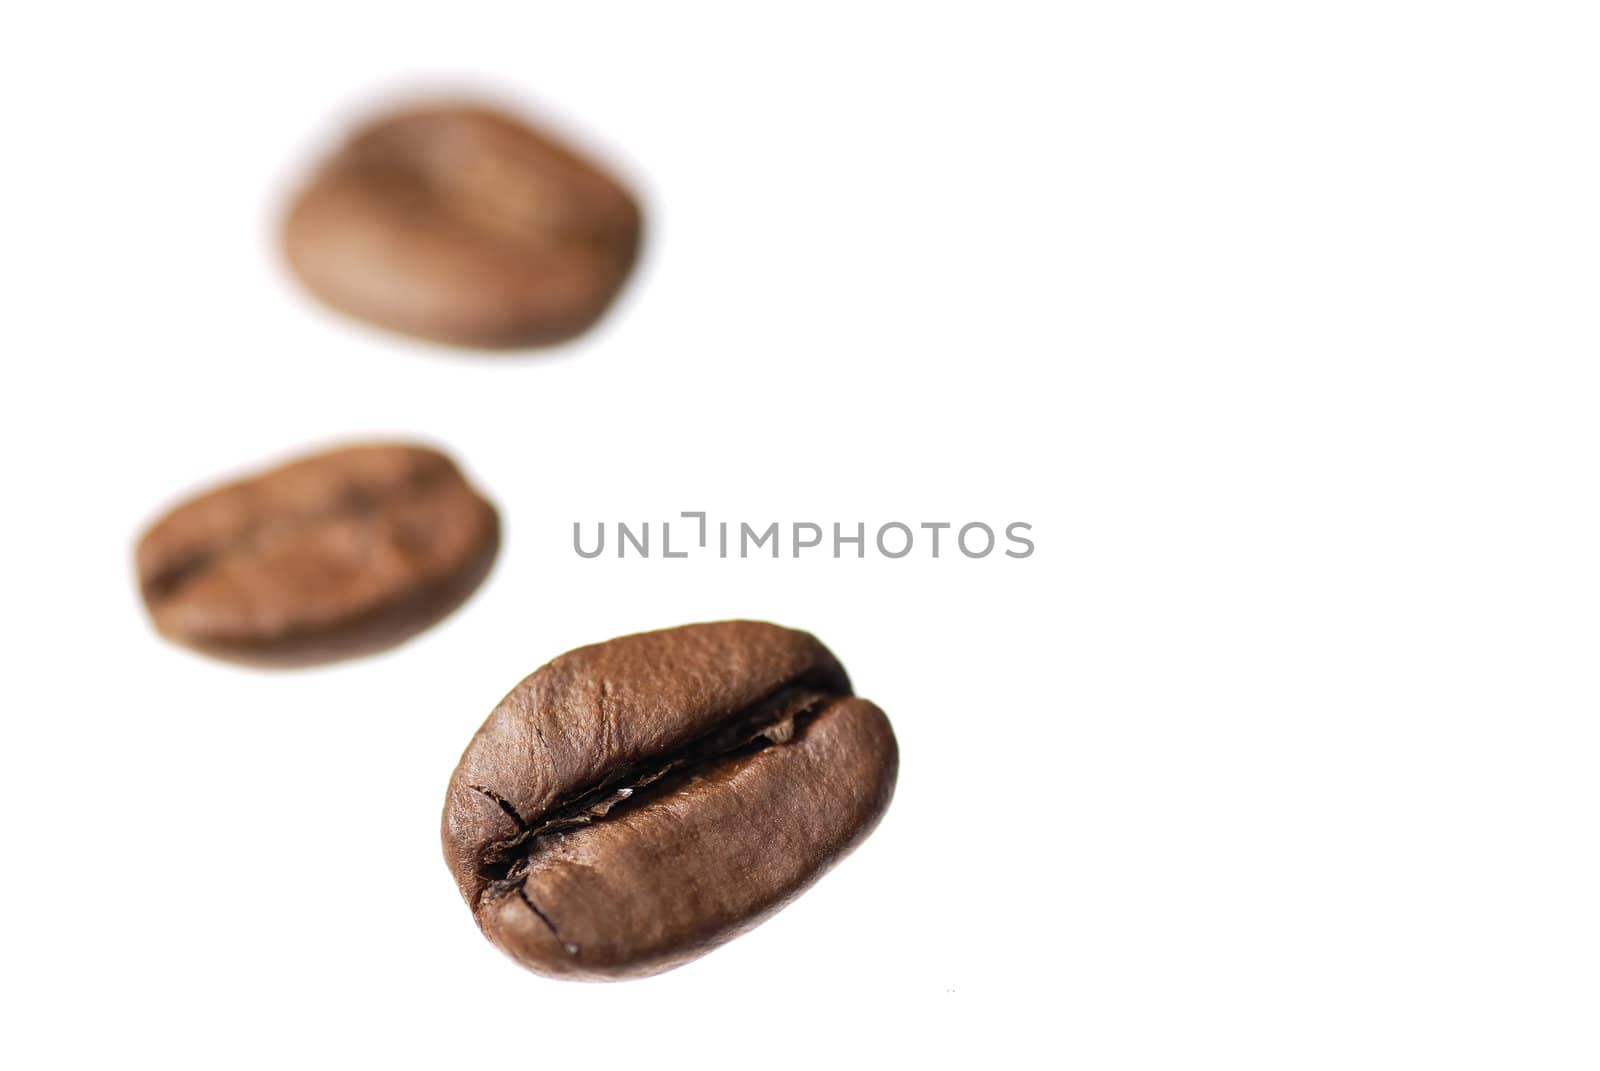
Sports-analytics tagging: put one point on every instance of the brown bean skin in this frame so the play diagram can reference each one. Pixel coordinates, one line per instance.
(330, 556)
(648, 878)
(463, 225)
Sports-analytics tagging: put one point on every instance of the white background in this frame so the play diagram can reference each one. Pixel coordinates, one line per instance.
(1277, 321)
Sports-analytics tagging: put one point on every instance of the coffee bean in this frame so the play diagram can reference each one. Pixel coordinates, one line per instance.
(463, 225)
(333, 555)
(634, 804)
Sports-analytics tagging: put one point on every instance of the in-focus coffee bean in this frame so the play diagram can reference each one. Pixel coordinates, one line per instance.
(463, 225)
(333, 555)
(633, 804)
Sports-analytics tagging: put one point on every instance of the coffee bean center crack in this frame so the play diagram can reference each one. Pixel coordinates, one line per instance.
(773, 722)
(354, 501)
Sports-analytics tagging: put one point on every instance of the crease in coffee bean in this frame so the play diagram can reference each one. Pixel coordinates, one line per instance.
(773, 722)
(353, 501)
(504, 804)
(502, 195)
(526, 232)
(488, 196)
(568, 947)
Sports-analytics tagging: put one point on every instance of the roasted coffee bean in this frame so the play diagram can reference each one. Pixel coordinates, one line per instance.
(463, 225)
(337, 554)
(634, 804)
